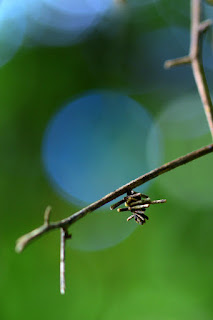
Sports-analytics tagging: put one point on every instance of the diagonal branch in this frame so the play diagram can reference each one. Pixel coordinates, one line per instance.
(46, 227)
(195, 59)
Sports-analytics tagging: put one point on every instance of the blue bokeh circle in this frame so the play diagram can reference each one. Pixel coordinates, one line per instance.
(96, 143)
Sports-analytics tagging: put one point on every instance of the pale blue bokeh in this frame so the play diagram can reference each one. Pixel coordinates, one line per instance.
(97, 143)
(12, 29)
(59, 23)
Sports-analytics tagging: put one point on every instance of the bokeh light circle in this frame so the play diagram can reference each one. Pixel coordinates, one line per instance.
(92, 146)
(12, 29)
(184, 128)
(95, 144)
(52, 22)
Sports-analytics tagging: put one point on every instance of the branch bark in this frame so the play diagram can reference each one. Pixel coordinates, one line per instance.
(195, 59)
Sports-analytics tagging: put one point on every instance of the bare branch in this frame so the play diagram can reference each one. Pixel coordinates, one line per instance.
(26, 239)
(195, 58)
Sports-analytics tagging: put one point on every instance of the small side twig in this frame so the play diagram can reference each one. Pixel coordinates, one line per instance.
(62, 261)
(177, 62)
(47, 215)
(203, 27)
(64, 237)
(195, 59)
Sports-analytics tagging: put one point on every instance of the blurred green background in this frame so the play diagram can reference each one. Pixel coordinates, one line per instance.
(163, 270)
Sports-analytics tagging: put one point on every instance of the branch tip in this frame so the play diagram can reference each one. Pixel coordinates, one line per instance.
(20, 244)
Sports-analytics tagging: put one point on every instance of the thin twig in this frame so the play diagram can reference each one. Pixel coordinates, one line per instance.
(64, 236)
(195, 58)
(177, 62)
(62, 261)
(27, 238)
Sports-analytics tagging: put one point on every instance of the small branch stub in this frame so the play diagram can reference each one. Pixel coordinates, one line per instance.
(177, 62)
(47, 215)
(203, 27)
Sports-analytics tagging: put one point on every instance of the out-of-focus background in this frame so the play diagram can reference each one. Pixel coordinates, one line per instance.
(86, 106)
